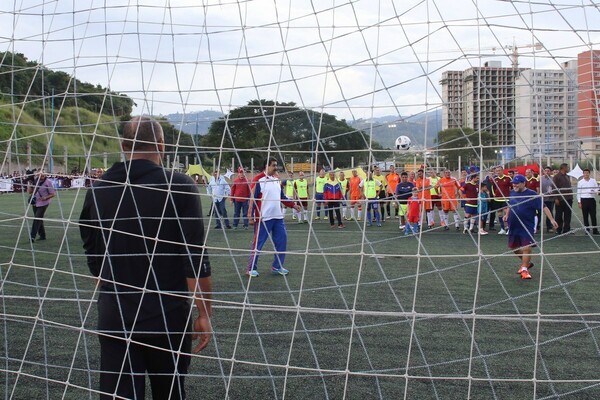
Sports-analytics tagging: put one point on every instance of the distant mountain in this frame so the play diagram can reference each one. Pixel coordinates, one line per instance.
(386, 129)
(197, 122)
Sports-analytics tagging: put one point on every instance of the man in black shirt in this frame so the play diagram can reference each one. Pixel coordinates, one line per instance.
(563, 199)
(143, 235)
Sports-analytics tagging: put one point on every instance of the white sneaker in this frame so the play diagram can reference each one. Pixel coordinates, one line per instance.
(482, 232)
(402, 227)
(506, 233)
(502, 232)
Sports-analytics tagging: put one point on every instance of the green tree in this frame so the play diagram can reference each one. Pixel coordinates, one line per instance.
(246, 132)
(464, 142)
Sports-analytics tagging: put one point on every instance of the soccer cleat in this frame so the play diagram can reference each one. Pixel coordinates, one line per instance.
(525, 275)
(379, 225)
(458, 228)
(521, 270)
(280, 271)
(501, 232)
(293, 217)
(465, 231)
(342, 226)
(300, 221)
(305, 221)
(359, 219)
(482, 232)
(402, 226)
(369, 224)
(317, 218)
(252, 274)
(446, 228)
(525, 269)
(506, 233)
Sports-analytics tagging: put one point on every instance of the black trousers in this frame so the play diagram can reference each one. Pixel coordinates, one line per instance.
(38, 222)
(124, 367)
(334, 207)
(563, 215)
(495, 206)
(588, 209)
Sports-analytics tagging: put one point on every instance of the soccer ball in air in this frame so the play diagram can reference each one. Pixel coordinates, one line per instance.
(402, 143)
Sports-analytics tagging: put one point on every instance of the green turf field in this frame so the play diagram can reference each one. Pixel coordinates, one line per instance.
(360, 317)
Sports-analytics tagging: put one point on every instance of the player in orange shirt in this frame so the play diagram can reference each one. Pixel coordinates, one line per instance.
(449, 190)
(423, 184)
(392, 179)
(355, 190)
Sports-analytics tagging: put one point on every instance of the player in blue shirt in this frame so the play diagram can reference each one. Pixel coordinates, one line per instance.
(403, 193)
(522, 207)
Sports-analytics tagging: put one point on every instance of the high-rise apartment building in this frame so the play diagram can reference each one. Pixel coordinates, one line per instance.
(546, 112)
(482, 98)
(588, 80)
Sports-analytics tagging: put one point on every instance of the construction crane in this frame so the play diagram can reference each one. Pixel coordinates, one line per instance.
(514, 49)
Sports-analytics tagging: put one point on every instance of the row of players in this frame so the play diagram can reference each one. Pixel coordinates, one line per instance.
(396, 195)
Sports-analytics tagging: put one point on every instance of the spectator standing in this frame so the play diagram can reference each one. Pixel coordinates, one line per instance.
(240, 197)
(42, 193)
(586, 199)
(546, 189)
(219, 189)
(563, 199)
(143, 236)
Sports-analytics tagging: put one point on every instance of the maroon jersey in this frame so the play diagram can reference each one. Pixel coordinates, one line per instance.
(501, 188)
(470, 192)
(533, 184)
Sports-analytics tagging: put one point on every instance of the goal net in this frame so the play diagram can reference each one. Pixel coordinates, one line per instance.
(383, 302)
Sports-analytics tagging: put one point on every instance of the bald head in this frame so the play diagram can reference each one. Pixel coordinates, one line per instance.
(142, 135)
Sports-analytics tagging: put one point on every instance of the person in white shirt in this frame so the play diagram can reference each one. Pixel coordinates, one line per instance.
(586, 199)
(268, 197)
(219, 189)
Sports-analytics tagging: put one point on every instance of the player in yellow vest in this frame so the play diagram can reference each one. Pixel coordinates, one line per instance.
(370, 189)
(381, 190)
(319, 197)
(288, 189)
(436, 199)
(301, 195)
(344, 183)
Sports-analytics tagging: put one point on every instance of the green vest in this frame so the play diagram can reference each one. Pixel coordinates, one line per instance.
(434, 182)
(344, 185)
(320, 182)
(371, 189)
(289, 188)
(302, 188)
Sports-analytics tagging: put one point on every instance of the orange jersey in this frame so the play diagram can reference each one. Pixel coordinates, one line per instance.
(392, 182)
(449, 188)
(354, 185)
(424, 190)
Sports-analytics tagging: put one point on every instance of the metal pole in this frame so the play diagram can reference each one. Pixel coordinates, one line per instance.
(29, 155)
(66, 158)
(51, 144)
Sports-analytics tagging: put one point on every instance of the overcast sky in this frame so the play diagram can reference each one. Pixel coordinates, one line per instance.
(353, 59)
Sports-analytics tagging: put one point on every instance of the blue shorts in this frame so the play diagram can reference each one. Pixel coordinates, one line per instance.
(518, 241)
(470, 209)
(319, 197)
